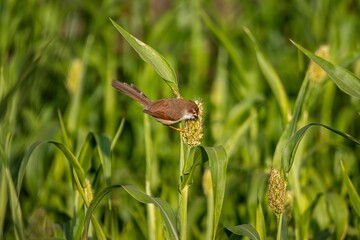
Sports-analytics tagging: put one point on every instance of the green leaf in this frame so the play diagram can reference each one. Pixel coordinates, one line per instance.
(229, 45)
(292, 145)
(72, 160)
(339, 212)
(260, 221)
(87, 151)
(218, 164)
(152, 57)
(218, 160)
(103, 145)
(246, 230)
(291, 127)
(343, 78)
(196, 157)
(165, 209)
(272, 78)
(354, 196)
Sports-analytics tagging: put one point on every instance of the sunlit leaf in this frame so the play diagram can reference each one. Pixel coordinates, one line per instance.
(343, 78)
(152, 57)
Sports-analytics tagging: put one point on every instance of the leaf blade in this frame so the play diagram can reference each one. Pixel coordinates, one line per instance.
(152, 57)
(344, 79)
(246, 230)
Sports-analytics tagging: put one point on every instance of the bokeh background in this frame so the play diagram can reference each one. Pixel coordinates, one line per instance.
(57, 62)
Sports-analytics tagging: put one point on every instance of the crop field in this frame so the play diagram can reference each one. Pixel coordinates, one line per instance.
(269, 147)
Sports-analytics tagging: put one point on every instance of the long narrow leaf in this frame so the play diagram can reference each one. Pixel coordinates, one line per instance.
(196, 157)
(260, 221)
(72, 160)
(218, 164)
(343, 78)
(246, 230)
(353, 194)
(272, 78)
(23, 165)
(293, 143)
(152, 57)
(165, 209)
(103, 145)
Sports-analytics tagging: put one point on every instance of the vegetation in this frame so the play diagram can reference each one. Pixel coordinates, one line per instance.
(274, 154)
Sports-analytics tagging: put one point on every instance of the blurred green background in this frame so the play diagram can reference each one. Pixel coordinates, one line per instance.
(59, 57)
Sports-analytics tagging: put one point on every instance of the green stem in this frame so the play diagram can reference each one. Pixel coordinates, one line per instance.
(183, 197)
(210, 215)
(151, 221)
(279, 220)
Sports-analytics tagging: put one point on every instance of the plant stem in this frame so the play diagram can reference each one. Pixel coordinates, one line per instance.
(279, 230)
(183, 197)
(151, 221)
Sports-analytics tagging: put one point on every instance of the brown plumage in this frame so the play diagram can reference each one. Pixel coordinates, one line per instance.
(167, 111)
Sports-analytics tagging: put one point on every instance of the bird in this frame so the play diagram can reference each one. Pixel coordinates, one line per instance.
(167, 111)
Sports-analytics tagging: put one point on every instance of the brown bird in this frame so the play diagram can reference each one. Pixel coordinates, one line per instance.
(167, 111)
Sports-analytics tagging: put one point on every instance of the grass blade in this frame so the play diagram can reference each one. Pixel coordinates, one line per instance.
(218, 160)
(152, 57)
(103, 145)
(23, 165)
(218, 164)
(353, 195)
(246, 230)
(72, 160)
(260, 221)
(292, 145)
(165, 209)
(272, 77)
(344, 79)
(339, 212)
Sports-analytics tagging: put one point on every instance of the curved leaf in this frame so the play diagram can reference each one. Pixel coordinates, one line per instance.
(23, 165)
(343, 78)
(292, 145)
(246, 230)
(72, 160)
(152, 57)
(165, 209)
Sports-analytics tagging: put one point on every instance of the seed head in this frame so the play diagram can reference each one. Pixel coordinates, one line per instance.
(276, 192)
(193, 129)
(316, 73)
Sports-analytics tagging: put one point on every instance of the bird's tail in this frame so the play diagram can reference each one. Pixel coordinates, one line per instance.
(131, 91)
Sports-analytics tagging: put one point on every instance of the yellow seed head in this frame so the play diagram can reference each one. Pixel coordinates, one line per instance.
(207, 182)
(316, 73)
(88, 192)
(74, 75)
(193, 129)
(276, 192)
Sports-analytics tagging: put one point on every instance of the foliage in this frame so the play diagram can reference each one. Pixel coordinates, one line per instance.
(78, 159)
